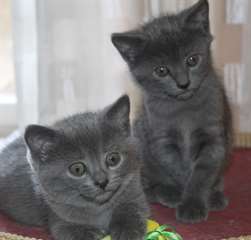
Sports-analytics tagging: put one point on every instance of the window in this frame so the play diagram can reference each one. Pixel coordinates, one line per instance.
(7, 81)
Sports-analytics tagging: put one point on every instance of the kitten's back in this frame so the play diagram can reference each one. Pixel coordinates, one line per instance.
(18, 197)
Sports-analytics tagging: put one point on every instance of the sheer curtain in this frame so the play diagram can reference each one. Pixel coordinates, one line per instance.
(78, 67)
(66, 63)
(245, 101)
(65, 60)
(234, 58)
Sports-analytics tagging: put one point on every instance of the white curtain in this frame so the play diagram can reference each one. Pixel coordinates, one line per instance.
(237, 66)
(245, 101)
(65, 61)
(78, 67)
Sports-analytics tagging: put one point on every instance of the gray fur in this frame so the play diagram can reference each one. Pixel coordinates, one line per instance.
(184, 125)
(40, 191)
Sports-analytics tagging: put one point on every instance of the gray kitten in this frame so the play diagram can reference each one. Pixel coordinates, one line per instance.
(81, 177)
(185, 122)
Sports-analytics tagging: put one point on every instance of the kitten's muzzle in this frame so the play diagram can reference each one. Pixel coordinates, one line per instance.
(183, 85)
(185, 95)
(101, 183)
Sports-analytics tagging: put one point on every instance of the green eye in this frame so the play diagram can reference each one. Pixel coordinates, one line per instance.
(161, 71)
(77, 169)
(113, 159)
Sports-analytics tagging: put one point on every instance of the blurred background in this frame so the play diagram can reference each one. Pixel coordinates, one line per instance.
(56, 57)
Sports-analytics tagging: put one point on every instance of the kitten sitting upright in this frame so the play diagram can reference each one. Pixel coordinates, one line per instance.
(82, 180)
(185, 122)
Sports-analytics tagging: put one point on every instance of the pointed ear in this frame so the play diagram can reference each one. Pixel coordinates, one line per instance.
(39, 140)
(198, 15)
(130, 44)
(119, 114)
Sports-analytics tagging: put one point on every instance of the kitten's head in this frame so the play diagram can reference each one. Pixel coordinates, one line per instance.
(170, 56)
(89, 157)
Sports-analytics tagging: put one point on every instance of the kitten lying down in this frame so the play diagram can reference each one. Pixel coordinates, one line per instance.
(80, 179)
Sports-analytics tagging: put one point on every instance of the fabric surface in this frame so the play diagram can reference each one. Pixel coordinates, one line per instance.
(235, 221)
(8, 236)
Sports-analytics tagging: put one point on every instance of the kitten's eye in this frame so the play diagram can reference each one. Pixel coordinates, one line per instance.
(161, 71)
(113, 159)
(193, 61)
(77, 169)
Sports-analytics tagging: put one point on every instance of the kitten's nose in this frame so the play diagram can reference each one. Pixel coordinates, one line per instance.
(102, 183)
(183, 85)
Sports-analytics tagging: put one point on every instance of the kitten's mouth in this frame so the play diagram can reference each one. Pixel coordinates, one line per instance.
(185, 95)
(101, 198)
(106, 196)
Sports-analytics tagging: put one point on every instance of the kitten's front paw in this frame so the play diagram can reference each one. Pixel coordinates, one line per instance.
(124, 234)
(127, 233)
(192, 211)
(217, 201)
(168, 196)
(95, 235)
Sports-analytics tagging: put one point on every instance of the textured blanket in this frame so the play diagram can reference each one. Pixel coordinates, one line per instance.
(8, 236)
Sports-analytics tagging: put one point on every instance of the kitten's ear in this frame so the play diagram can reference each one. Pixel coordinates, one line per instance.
(39, 140)
(119, 112)
(130, 44)
(198, 15)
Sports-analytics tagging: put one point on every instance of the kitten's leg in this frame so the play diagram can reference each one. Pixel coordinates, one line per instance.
(64, 231)
(166, 191)
(150, 195)
(148, 188)
(194, 206)
(217, 199)
(169, 196)
(129, 222)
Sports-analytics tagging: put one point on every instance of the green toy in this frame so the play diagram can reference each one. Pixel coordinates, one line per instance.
(157, 232)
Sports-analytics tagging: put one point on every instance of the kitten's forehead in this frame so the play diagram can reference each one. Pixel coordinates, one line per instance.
(170, 31)
(82, 130)
(162, 25)
(168, 38)
(87, 132)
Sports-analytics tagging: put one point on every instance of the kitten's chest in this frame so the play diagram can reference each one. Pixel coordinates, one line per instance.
(176, 151)
(192, 114)
(182, 119)
(98, 218)
(185, 133)
(101, 221)
(182, 133)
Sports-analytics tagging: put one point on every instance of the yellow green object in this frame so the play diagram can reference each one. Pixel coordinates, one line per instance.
(157, 232)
